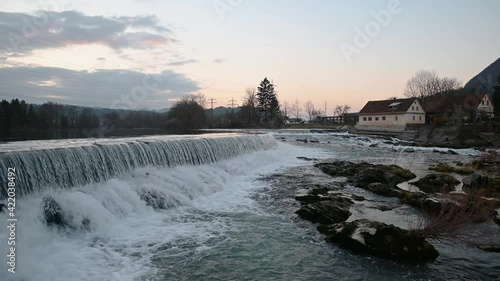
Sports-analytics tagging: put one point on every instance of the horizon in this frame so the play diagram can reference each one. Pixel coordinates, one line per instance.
(152, 53)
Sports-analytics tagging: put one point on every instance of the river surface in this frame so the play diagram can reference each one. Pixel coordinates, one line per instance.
(226, 220)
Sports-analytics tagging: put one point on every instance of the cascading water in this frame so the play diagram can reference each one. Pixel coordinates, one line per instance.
(97, 161)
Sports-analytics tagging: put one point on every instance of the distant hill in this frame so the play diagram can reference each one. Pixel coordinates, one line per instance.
(485, 81)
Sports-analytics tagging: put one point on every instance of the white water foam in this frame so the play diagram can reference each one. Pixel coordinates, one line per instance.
(114, 235)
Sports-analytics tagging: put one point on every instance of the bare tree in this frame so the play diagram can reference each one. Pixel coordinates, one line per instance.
(295, 109)
(345, 109)
(338, 110)
(427, 83)
(200, 99)
(309, 109)
(285, 106)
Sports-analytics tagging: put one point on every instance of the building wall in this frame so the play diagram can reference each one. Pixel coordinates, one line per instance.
(486, 106)
(414, 115)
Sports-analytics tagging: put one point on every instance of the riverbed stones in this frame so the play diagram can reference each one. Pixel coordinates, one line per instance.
(379, 239)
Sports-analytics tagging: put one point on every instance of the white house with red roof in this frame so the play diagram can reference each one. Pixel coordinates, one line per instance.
(393, 114)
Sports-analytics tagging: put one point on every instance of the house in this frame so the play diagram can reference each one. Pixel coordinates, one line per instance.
(391, 115)
(456, 109)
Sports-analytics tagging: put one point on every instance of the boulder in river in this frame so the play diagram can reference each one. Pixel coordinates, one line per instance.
(379, 239)
(437, 183)
(326, 209)
(476, 181)
(52, 212)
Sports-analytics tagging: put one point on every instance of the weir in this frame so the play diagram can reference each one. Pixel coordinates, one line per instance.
(66, 164)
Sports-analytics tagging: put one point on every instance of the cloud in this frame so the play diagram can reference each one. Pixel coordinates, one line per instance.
(219, 60)
(183, 62)
(114, 88)
(23, 33)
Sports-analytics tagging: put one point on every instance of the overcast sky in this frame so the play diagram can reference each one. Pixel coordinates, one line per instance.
(149, 53)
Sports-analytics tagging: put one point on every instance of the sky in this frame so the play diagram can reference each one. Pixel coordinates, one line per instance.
(138, 54)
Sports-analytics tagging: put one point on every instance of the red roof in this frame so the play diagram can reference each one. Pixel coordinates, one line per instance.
(387, 106)
(450, 102)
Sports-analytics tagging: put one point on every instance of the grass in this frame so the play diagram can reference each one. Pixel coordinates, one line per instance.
(444, 225)
(446, 168)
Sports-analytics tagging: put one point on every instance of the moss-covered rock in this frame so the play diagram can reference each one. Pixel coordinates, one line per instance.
(379, 239)
(334, 210)
(437, 183)
(447, 168)
(380, 179)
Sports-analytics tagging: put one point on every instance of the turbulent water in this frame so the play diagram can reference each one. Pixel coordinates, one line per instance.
(219, 220)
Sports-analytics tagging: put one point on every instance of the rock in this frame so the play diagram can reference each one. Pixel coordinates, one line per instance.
(446, 168)
(369, 176)
(314, 141)
(52, 213)
(365, 175)
(496, 217)
(452, 152)
(490, 247)
(384, 190)
(379, 239)
(384, 208)
(373, 145)
(334, 210)
(2, 207)
(306, 158)
(342, 168)
(357, 197)
(437, 183)
(409, 150)
(476, 181)
(157, 200)
(303, 140)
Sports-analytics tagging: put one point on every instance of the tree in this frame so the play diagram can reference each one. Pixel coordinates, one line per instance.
(427, 83)
(249, 110)
(295, 109)
(87, 119)
(186, 114)
(285, 106)
(496, 98)
(309, 109)
(267, 101)
(200, 99)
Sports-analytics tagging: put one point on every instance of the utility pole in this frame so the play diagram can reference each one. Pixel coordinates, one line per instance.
(325, 109)
(232, 103)
(212, 101)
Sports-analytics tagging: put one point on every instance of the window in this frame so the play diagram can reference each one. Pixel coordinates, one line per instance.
(417, 108)
(483, 102)
(376, 118)
(364, 118)
(396, 118)
(412, 108)
(487, 103)
(420, 118)
(413, 118)
(383, 118)
(369, 119)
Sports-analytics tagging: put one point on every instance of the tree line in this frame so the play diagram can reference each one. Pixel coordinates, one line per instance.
(19, 115)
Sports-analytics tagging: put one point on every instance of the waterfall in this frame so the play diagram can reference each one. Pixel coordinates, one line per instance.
(47, 166)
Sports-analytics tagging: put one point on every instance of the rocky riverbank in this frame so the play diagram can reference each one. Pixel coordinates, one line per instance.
(328, 192)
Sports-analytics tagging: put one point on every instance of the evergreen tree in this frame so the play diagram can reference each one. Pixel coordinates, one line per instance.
(267, 101)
